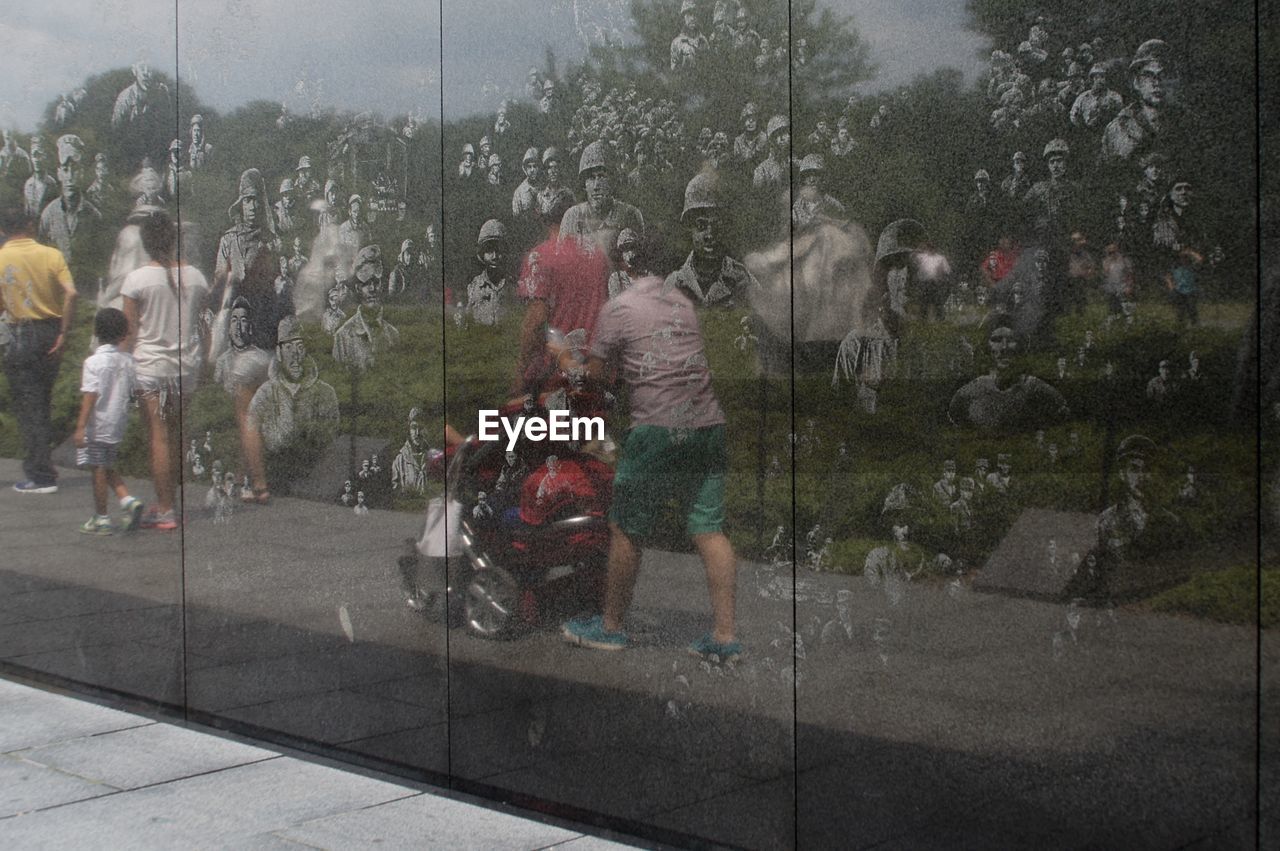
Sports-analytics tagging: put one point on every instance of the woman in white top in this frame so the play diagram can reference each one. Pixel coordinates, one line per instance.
(162, 301)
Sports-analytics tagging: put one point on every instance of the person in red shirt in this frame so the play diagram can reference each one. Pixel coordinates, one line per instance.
(999, 262)
(563, 288)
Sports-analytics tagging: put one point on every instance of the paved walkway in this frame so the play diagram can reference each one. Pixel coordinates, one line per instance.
(913, 714)
(74, 774)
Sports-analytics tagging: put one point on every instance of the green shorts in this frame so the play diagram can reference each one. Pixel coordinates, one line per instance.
(660, 465)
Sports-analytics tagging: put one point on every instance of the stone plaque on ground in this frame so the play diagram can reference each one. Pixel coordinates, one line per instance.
(1040, 555)
(338, 462)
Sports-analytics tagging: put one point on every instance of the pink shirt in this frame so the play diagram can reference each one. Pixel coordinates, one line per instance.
(652, 331)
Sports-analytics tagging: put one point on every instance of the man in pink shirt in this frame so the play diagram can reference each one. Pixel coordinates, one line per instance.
(675, 451)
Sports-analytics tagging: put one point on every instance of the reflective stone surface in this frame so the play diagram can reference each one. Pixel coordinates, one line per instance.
(933, 362)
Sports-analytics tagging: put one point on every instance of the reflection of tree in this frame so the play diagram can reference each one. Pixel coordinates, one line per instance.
(836, 61)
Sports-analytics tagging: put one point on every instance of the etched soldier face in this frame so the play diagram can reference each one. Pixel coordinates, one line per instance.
(369, 295)
(981, 467)
(900, 532)
(468, 158)
(707, 231)
(346, 486)
(241, 328)
(1053, 452)
(249, 210)
(554, 172)
(355, 209)
(1003, 345)
(489, 256)
(812, 180)
(292, 355)
(335, 296)
(415, 435)
(1180, 194)
(69, 174)
(599, 190)
(1062, 366)
(1057, 166)
(360, 497)
(1135, 475)
(1163, 369)
(1149, 84)
(531, 171)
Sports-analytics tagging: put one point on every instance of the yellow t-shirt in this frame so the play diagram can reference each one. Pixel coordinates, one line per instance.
(33, 280)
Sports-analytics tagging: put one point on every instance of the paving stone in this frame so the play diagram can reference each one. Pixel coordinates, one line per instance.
(30, 717)
(27, 786)
(141, 756)
(221, 809)
(428, 820)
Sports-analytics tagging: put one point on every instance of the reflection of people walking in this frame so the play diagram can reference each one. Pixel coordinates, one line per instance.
(675, 450)
(162, 302)
(39, 301)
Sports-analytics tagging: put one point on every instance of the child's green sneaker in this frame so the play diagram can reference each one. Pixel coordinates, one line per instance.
(590, 632)
(96, 525)
(131, 513)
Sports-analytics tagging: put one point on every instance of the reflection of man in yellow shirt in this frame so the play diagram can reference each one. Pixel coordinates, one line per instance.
(39, 304)
(36, 282)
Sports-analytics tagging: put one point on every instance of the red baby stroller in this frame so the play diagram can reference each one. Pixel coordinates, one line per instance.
(524, 534)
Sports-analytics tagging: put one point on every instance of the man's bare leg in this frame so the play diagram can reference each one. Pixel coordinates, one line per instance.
(722, 582)
(620, 582)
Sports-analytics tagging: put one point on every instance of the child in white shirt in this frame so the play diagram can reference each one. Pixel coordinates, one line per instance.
(107, 382)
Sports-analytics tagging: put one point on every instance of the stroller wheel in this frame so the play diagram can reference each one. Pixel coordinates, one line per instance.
(492, 600)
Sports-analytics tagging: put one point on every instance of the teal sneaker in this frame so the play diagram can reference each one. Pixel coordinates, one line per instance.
(131, 514)
(590, 632)
(97, 526)
(713, 651)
